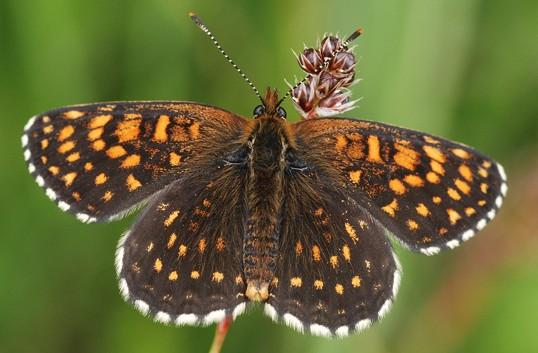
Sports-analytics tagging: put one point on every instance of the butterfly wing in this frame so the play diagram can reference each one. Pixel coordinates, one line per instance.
(181, 261)
(336, 273)
(98, 161)
(430, 193)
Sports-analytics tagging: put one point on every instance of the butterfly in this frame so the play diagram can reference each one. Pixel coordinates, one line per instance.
(295, 216)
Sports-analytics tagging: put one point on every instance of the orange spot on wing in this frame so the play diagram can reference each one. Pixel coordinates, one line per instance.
(73, 157)
(355, 176)
(54, 170)
(484, 188)
(469, 211)
(397, 186)
(453, 216)
(436, 200)
(73, 114)
(132, 183)
(195, 130)
(351, 232)
(316, 253)
(434, 153)
(465, 172)
(414, 181)
(373, 149)
(483, 173)
(171, 218)
(339, 288)
(171, 240)
(88, 166)
(433, 178)
(131, 161)
(69, 178)
(356, 281)
(318, 284)
(333, 260)
(220, 244)
(201, 245)
(116, 152)
(44, 144)
(346, 253)
(101, 179)
(99, 121)
(461, 153)
(175, 159)
(158, 265)
(173, 276)
(195, 274)
(65, 133)
(406, 157)
(66, 147)
(160, 134)
(453, 194)
(296, 282)
(107, 196)
(462, 186)
(48, 129)
(437, 167)
(98, 145)
(341, 143)
(422, 210)
(182, 250)
(412, 225)
(217, 277)
(129, 128)
(95, 134)
(391, 208)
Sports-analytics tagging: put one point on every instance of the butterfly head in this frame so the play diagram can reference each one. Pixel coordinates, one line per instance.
(270, 107)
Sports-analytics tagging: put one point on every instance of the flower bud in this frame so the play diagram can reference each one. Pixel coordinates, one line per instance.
(342, 64)
(329, 45)
(310, 61)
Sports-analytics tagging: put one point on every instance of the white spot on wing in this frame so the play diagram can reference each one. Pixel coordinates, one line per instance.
(432, 250)
(502, 173)
(29, 123)
(83, 217)
(214, 316)
(293, 322)
(124, 289)
(51, 194)
(491, 214)
(468, 235)
(342, 331)
(162, 317)
(31, 168)
(186, 319)
(504, 189)
(320, 330)
(63, 206)
(363, 325)
(142, 306)
(27, 155)
(238, 310)
(454, 243)
(385, 308)
(24, 140)
(118, 261)
(39, 180)
(481, 224)
(270, 311)
(397, 276)
(499, 201)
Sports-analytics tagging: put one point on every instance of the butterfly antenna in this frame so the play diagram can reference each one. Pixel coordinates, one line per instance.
(342, 47)
(206, 30)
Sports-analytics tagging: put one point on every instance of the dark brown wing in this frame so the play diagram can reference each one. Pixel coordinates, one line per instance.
(181, 261)
(429, 192)
(336, 273)
(97, 161)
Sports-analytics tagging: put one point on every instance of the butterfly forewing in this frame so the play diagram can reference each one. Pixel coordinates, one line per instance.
(336, 272)
(181, 262)
(429, 192)
(99, 160)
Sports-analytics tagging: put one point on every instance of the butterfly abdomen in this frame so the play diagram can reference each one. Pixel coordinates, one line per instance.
(264, 200)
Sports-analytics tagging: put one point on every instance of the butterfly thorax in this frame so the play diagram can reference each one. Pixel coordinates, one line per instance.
(268, 144)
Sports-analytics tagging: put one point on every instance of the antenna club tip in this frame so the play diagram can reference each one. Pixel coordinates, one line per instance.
(191, 14)
(359, 30)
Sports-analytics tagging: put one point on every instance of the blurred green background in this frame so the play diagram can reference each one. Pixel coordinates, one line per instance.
(463, 69)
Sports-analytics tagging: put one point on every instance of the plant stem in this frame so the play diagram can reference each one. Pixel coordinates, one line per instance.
(220, 334)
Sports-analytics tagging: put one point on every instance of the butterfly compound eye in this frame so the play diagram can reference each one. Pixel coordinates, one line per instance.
(281, 112)
(259, 110)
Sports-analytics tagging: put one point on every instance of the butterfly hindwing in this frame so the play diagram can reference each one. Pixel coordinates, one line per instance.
(181, 261)
(97, 161)
(336, 272)
(430, 193)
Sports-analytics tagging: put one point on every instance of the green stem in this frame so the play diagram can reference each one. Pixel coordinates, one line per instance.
(220, 334)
